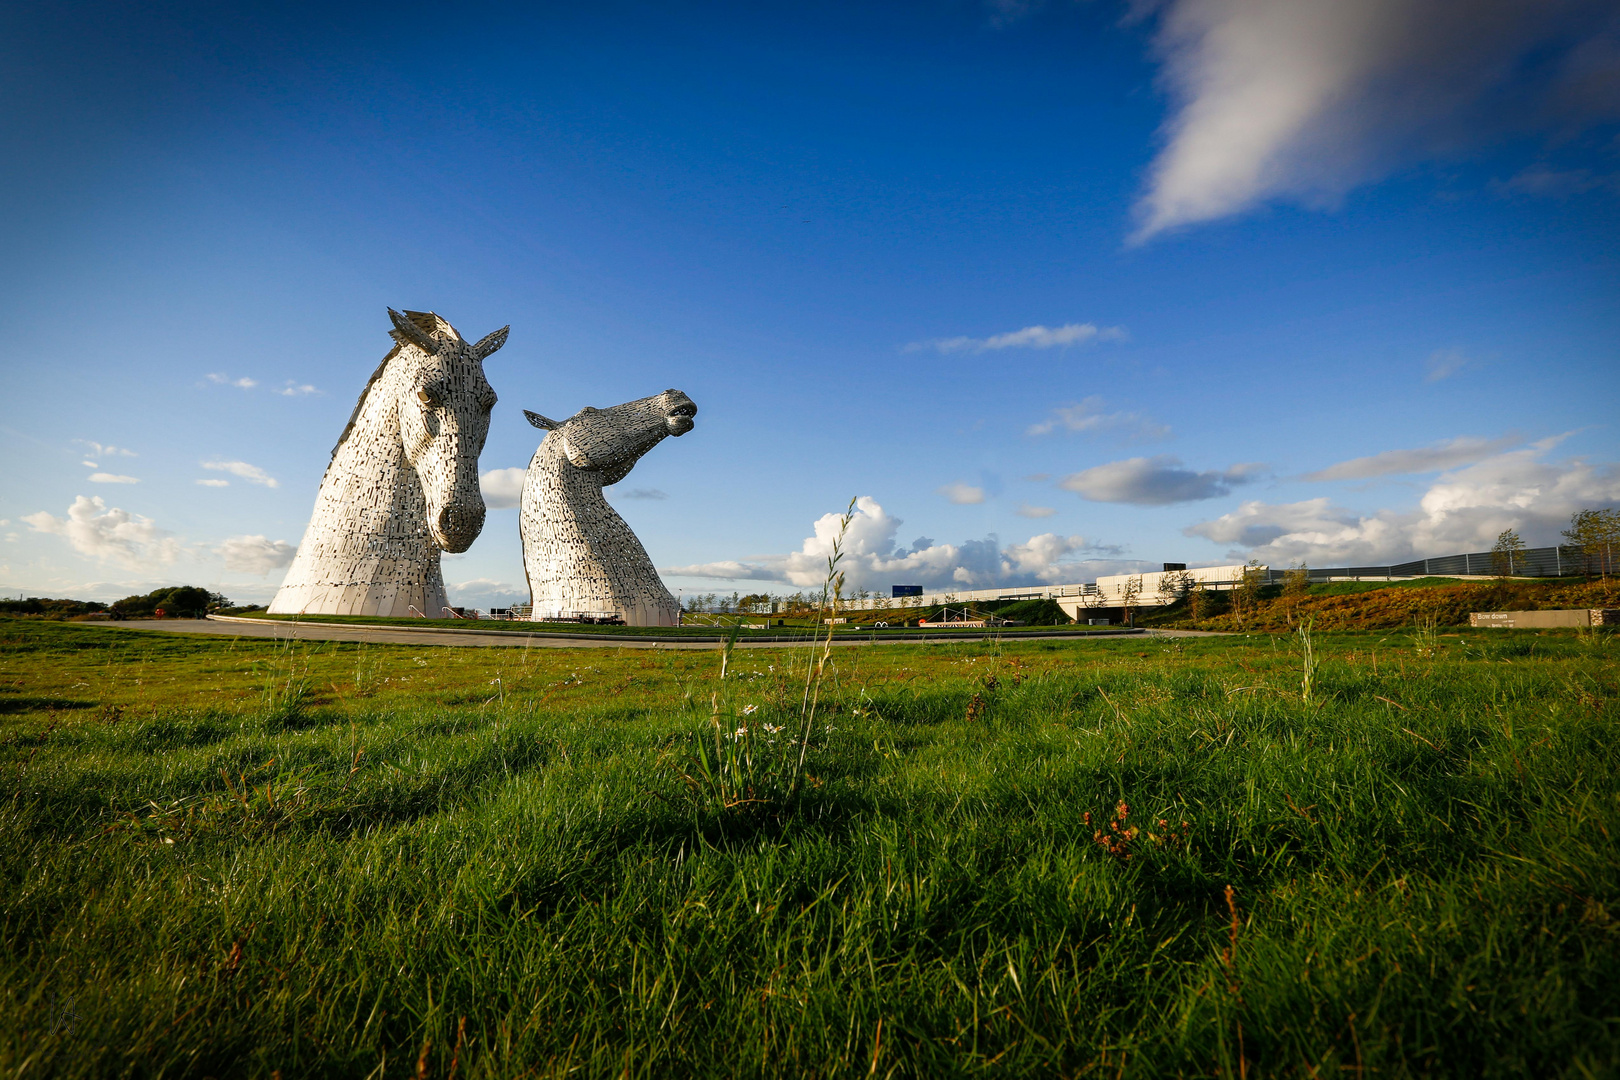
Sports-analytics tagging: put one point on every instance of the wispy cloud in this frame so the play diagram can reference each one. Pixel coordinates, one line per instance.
(1306, 99)
(1156, 481)
(102, 450)
(242, 383)
(293, 389)
(112, 478)
(962, 494)
(256, 554)
(1025, 510)
(1089, 417)
(1030, 337)
(641, 493)
(242, 470)
(1547, 182)
(213, 482)
(487, 593)
(1463, 450)
(1443, 364)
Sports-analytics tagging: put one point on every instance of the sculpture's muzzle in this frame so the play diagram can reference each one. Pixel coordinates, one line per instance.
(678, 421)
(456, 527)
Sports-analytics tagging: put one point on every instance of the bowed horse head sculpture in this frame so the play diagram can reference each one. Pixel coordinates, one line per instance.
(403, 482)
(580, 557)
(443, 420)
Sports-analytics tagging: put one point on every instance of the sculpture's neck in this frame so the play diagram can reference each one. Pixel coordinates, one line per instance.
(370, 488)
(575, 491)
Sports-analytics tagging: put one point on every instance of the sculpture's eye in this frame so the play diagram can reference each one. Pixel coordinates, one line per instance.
(428, 398)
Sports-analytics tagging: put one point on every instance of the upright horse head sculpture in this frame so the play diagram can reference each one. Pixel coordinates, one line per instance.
(579, 555)
(403, 482)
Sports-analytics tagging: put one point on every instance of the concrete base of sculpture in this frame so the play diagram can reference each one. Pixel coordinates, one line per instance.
(580, 557)
(403, 482)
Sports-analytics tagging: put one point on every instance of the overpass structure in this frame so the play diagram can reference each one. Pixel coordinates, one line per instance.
(1156, 588)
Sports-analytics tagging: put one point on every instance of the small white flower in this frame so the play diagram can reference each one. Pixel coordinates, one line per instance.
(741, 732)
(748, 710)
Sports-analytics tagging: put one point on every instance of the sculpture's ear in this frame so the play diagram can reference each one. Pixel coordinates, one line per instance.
(407, 331)
(540, 421)
(490, 342)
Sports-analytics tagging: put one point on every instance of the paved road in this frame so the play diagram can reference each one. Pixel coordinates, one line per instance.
(495, 639)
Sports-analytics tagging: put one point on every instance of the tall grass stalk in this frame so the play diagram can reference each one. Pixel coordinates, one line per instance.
(832, 591)
(1307, 648)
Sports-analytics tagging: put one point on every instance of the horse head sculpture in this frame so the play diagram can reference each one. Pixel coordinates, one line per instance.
(443, 421)
(402, 486)
(611, 441)
(580, 557)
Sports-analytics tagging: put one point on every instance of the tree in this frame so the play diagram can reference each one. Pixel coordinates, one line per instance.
(179, 601)
(1297, 581)
(1596, 534)
(1197, 600)
(1507, 556)
(1177, 585)
(1128, 593)
(1247, 594)
(754, 602)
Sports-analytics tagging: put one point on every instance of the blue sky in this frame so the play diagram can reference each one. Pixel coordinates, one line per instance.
(1055, 288)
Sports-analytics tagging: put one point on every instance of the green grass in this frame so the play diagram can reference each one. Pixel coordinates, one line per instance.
(797, 629)
(237, 858)
(1350, 588)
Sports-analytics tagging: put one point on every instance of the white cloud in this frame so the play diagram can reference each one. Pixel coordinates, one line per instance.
(112, 478)
(213, 482)
(962, 494)
(1030, 337)
(1448, 454)
(243, 383)
(251, 473)
(109, 535)
(1155, 481)
(1025, 510)
(1443, 364)
(641, 493)
(502, 488)
(256, 554)
(1088, 417)
(1463, 510)
(1305, 99)
(90, 464)
(873, 559)
(293, 389)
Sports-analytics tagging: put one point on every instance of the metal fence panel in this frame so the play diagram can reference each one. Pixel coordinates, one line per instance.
(1532, 562)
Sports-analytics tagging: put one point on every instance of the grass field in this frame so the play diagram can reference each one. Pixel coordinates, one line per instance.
(1126, 857)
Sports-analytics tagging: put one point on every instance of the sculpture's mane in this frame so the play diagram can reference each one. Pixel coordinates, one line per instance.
(430, 323)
